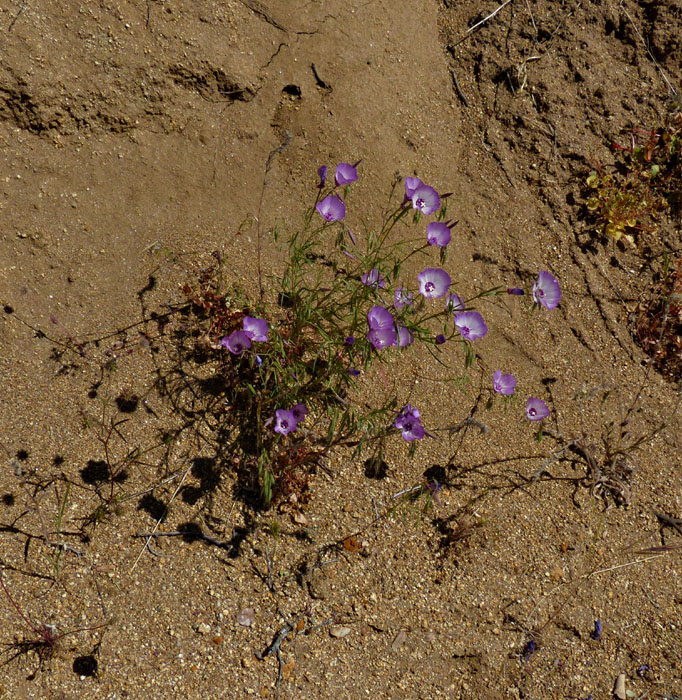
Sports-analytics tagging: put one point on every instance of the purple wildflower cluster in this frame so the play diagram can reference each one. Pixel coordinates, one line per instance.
(505, 384)
(384, 329)
(287, 420)
(255, 330)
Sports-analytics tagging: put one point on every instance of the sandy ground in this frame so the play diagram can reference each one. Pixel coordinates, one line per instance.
(134, 140)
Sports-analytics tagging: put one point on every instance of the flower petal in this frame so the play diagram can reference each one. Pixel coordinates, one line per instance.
(546, 290)
(471, 325)
(433, 282)
(426, 200)
(331, 208)
(345, 174)
(536, 409)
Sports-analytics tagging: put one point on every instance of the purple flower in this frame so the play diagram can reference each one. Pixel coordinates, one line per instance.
(382, 332)
(596, 634)
(546, 290)
(236, 342)
(354, 372)
(433, 282)
(405, 413)
(380, 318)
(440, 339)
(454, 302)
(322, 172)
(528, 650)
(425, 199)
(299, 411)
(516, 291)
(434, 488)
(345, 174)
(285, 421)
(536, 409)
(350, 340)
(409, 422)
(411, 184)
(471, 325)
(331, 208)
(405, 337)
(402, 298)
(503, 383)
(256, 329)
(438, 234)
(373, 279)
(381, 338)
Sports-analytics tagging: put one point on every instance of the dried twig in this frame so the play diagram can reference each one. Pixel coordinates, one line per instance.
(532, 19)
(268, 561)
(490, 16)
(190, 534)
(609, 478)
(667, 521)
(319, 80)
(274, 646)
(16, 17)
(460, 94)
(622, 566)
(158, 522)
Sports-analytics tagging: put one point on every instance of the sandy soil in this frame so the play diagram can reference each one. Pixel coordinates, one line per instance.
(134, 141)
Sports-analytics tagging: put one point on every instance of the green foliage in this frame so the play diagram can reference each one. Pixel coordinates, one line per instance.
(321, 303)
(626, 200)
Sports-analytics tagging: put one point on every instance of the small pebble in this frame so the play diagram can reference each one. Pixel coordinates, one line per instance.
(339, 631)
(246, 617)
(399, 640)
(300, 519)
(204, 628)
(619, 688)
